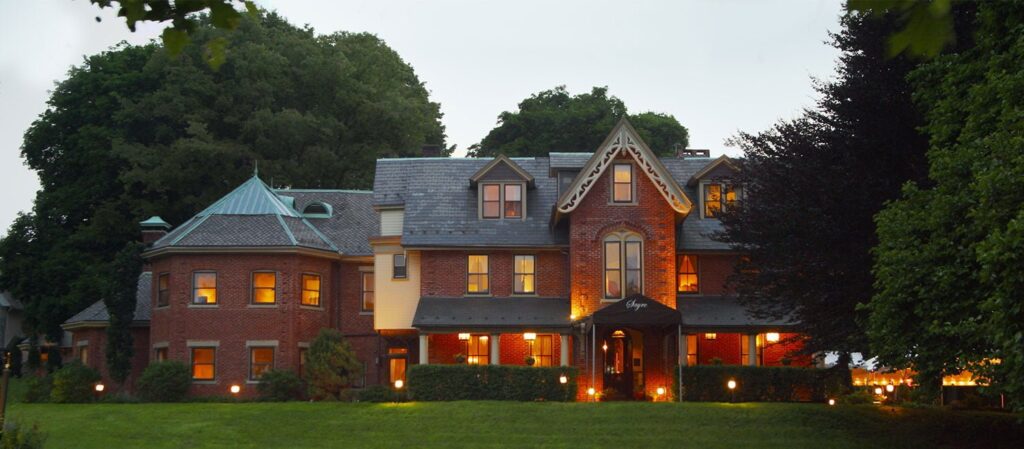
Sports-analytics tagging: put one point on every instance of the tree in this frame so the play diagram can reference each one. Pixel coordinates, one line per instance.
(554, 120)
(331, 365)
(135, 132)
(949, 263)
(813, 185)
(120, 299)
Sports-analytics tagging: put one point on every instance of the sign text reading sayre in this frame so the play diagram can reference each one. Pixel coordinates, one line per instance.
(635, 305)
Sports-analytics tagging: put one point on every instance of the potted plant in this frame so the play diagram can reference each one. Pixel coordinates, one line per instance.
(530, 360)
(460, 358)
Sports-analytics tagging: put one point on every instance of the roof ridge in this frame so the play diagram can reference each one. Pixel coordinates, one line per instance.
(251, 196)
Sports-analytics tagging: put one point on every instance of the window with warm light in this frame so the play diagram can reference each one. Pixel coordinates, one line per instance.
(264, 287)
(478, 276)
(310, 290)
(758, 347)
(688, 279)
(478, 350)
(163, 290)
(204, 363)
(691, 350)
(543, 351)
(368, 292)
(513, 201)
(718, 197)
(261, 360)
(160, 354)
(398, 266)
(397, 364)
(622, 183)
(491, 203)
(710, 336)
(204, 287)
(524, 275)
(623, 265)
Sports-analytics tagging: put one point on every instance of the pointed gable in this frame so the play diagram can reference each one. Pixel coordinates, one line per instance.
(714, 169)
(624, 140)
(501, 168)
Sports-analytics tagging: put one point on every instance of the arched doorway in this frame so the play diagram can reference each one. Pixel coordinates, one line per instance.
(624, 362)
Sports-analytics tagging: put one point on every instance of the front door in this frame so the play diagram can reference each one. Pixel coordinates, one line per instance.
(623, 366)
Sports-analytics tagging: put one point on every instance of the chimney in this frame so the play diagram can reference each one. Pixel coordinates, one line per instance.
(690, 153)
(153, 229)
(431, 150)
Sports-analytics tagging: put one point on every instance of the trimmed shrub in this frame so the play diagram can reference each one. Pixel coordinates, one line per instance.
(74, 382)
(38, 389)
(17, 437)
(490, 382)
(280, 386)
(380, 393)
(164, 382)
(753, 383)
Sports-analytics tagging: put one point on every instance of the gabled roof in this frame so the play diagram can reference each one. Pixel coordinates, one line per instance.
(501, 160)
(97, 315)
(624, 140)
(722, 160)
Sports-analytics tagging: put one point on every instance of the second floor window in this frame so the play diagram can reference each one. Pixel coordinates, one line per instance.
(622, 183)
(264, 287)
(524, 275)
(310, 290)
(689, 281)
(368, 292)
(163, 290)
(623, 265)
(204, 287)
(398, 268)
(478, 277)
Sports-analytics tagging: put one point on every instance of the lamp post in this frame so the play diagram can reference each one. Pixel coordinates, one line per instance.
(3, 391)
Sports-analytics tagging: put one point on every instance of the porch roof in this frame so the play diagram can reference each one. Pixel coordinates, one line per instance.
(463, 314)
(723, 314)
(636, 310)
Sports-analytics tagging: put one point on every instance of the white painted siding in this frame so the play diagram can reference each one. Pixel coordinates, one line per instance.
(391, 222)
(396, 299)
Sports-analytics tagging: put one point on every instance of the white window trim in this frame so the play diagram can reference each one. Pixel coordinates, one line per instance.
(514, 293)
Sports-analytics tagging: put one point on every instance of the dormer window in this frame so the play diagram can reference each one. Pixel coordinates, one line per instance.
(492, 201)
(317, 210)
(513, 201)
(622, 183)
(717, 198)
(501, 200)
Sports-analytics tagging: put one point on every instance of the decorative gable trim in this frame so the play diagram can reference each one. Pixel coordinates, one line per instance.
(501, 158)
(624, 140)
(723, 159)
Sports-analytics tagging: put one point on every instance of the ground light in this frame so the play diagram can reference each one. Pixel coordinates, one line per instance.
(591, 392)
(878, 391)
(890, 388)
(563, 379)
(235, 389)
(99, 388)
(659, 393)
(831, 402)
(731, 384)
(399, 384)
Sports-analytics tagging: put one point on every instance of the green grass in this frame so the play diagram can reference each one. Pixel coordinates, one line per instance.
(514, 425)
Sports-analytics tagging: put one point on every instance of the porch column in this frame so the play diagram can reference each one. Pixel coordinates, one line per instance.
(424, 343)
(563, 341)
(495, 349)
(683, 348)
(752, 350)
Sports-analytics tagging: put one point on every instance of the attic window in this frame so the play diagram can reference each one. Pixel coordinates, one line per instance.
(502, 200)
(718, 197)
(317, 210)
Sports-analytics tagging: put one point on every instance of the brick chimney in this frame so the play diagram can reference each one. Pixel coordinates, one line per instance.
(153, 229)
(690, 153)
(431, 150)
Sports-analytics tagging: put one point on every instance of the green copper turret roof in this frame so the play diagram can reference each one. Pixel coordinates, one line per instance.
(251, 198)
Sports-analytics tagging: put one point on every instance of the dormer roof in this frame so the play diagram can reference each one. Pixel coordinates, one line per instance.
(722, 160)
(501, 168)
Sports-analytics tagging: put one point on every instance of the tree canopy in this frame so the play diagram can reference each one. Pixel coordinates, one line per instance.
(134, 132)
(950, 260)
(555, 120)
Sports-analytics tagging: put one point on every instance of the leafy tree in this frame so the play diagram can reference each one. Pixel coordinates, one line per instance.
(813, 185)
(74, 383)
(949, 263)
(135, 132)
(331, 365)
(555, 120)
(120, 299)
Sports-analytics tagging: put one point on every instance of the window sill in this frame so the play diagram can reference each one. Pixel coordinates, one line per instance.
(252, 382)
(406, 278)
(202, 306)
(204, 382)
(631, 203)
(364, 313)
(308, 307)
(525, 295)
(478, 295)
(162, 307)
(263, 306)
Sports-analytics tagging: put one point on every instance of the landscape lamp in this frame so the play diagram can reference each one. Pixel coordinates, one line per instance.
(235, 389)
(731, 384)
(878, 391)
(399, 384)
(563, 379)
(831, 402)
(99, 388)
(890, 388)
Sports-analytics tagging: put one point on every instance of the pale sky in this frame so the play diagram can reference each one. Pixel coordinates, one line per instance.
(718, 66)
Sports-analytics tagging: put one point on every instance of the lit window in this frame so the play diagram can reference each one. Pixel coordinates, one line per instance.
(711, 336)
(478, 278)
(398, 358)
(622, 183)
(163, 290)
(203, 363)
(623, 261)
(264, 288)
(261, 360)
(524, 275)
(160, 354)
(310, 290)
(543, 352)
(492, 201)
(83, 354)
(368, 290)
(688, 279)
(691, 350)
(712, 200)
(513, 201)
(399, 270)
(204, 287)
(745, 349)
(478, 350)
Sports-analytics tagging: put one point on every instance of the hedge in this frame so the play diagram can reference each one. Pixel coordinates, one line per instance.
(490, 382)
(753, 383)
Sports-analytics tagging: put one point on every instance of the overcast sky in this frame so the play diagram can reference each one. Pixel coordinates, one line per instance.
(718, 66)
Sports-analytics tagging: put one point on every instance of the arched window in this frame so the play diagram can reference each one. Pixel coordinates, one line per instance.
(317, 210)
(623, 265)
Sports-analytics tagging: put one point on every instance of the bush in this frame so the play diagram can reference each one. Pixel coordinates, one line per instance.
(74, 382)
(38, 389)
(16, 437)
(164, 382)
(280, 386)
(754, 383)
(331, 365)
(859, 396)
(381, 393)
(490, 382)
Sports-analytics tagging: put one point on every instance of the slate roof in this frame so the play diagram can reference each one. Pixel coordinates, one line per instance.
(352, 221)
(441, 207)
(471, 314)
(569, 160)
(694, 233)
(711, 313)
(97, 312)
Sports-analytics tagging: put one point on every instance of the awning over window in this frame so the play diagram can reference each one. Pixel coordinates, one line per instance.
(637, 311)
(492, 314)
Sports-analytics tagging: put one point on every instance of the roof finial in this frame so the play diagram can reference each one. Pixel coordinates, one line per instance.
(256, 169)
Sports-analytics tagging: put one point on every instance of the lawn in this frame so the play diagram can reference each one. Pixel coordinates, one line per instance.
(514, 425)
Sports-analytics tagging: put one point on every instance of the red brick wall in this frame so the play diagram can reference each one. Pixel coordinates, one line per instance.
(725, 347)
(444, 347)
(97, 359)
(444, 272)
(714, 270)
(652, 217)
